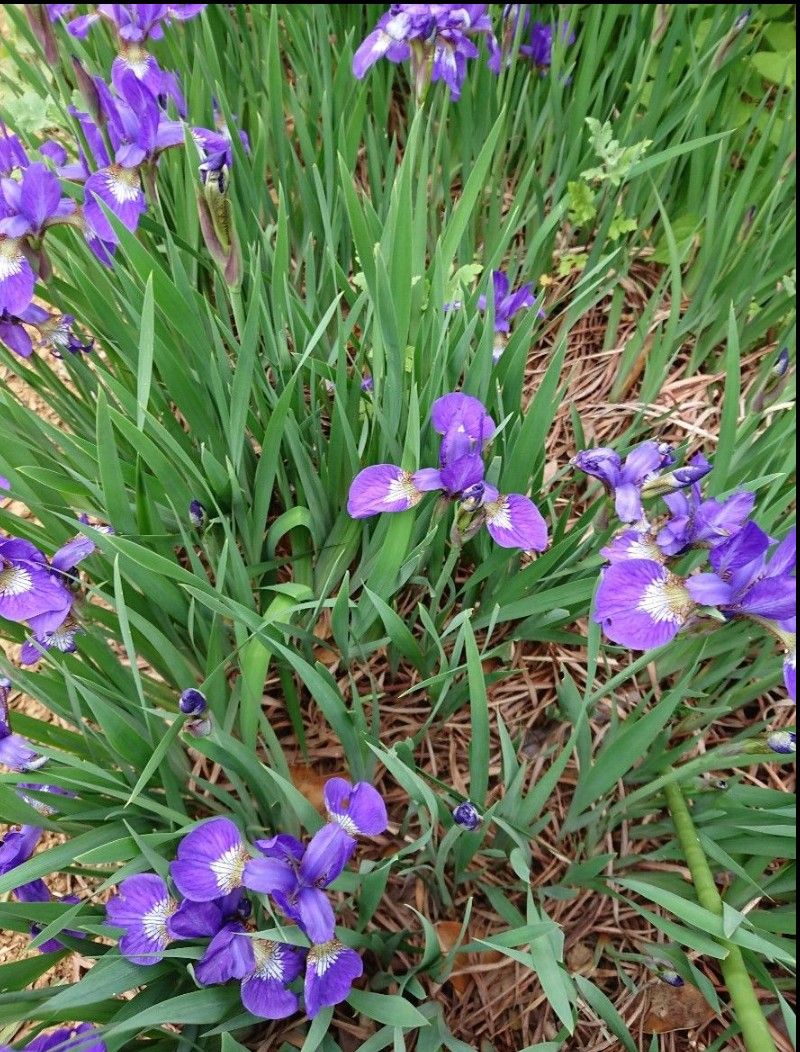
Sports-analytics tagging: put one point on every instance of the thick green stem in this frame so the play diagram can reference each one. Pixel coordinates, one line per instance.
(746, 1006)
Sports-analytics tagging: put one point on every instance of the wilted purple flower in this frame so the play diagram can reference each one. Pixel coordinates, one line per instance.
(357, 809)
(783, 742)
(265, 968)
(641, 604)
(211, 861)
(192, 702)
(198, 516)
(54, 330)
(82, 1038)
(540, 48)
(44, 809)
(436, 37)
(216, 145)
(625, 479)
(467, 815)
(331, 970)
(297, 884)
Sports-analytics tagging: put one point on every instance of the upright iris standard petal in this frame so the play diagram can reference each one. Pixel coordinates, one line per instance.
(641, 605)
(462, 474)
(461, 413)
(142, 907)
(331, 969)
(357, 809)
(193, 920)
(264, 991)
(210, 862)
(382, 488)
(514, 521)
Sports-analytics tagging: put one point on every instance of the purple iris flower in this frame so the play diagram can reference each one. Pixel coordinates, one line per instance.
(634, 542)
(540, 48)
(698, 522)
(211, 861)
(134, 23)
(216, 145)
(641, 604)
(17, 846)
(138, 131)
(28, 588)
(56, 628)
(16, 752)
(331, 969)
(12, 152)
(32, 202)
(758, 584)
(783, 742)
(357, 809)
(512, 520)
(265, 969)
(506, 303)
(625, 479)
(56, 11)
(38, 891)
(296, 881)
(55, 331)
(17, 279)
(467, 815)
(82, 1038)
(438, 38)
(151, 917)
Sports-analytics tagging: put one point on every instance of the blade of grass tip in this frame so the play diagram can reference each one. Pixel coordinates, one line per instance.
(726, 446)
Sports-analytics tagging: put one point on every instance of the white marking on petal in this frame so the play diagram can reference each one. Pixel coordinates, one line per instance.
(325, 955)
(155, 920)
(403, 488)
(344, 822)
(123, 184)
(497, 513)
(11, 258)
(14, 580)
(666, 599)
(229, 867)
(269, 960)
(641, 548)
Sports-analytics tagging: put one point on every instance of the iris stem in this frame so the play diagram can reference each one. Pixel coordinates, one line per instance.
(746, 1007)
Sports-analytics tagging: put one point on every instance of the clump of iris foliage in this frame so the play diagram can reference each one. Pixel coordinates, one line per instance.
(270, 278)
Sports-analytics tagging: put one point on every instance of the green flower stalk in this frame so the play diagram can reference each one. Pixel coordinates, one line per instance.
(746, 1006)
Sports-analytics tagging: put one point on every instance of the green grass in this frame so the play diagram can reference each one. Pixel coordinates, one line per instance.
(359, 215)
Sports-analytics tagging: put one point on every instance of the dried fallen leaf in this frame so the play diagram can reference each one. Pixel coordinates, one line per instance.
(447, 933)
(671, 1008)
(310, 783)
(580, 958)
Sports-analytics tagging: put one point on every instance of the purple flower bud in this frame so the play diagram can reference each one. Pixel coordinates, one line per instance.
(783, 742)
(672, 978)
(742, 20)
(192, 702)
(692, 472)
(472, 497)
(198, 516)
(467, 815)
(781, 366)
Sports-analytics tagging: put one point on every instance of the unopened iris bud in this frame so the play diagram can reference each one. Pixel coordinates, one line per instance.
(697, 469)
(783, 742)
(742, 20)
(472, 498)
(198, 728)
(192, 702)
(781, 366)
(198, 516)
(672, 978)
(467, 815)
(216, 222)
